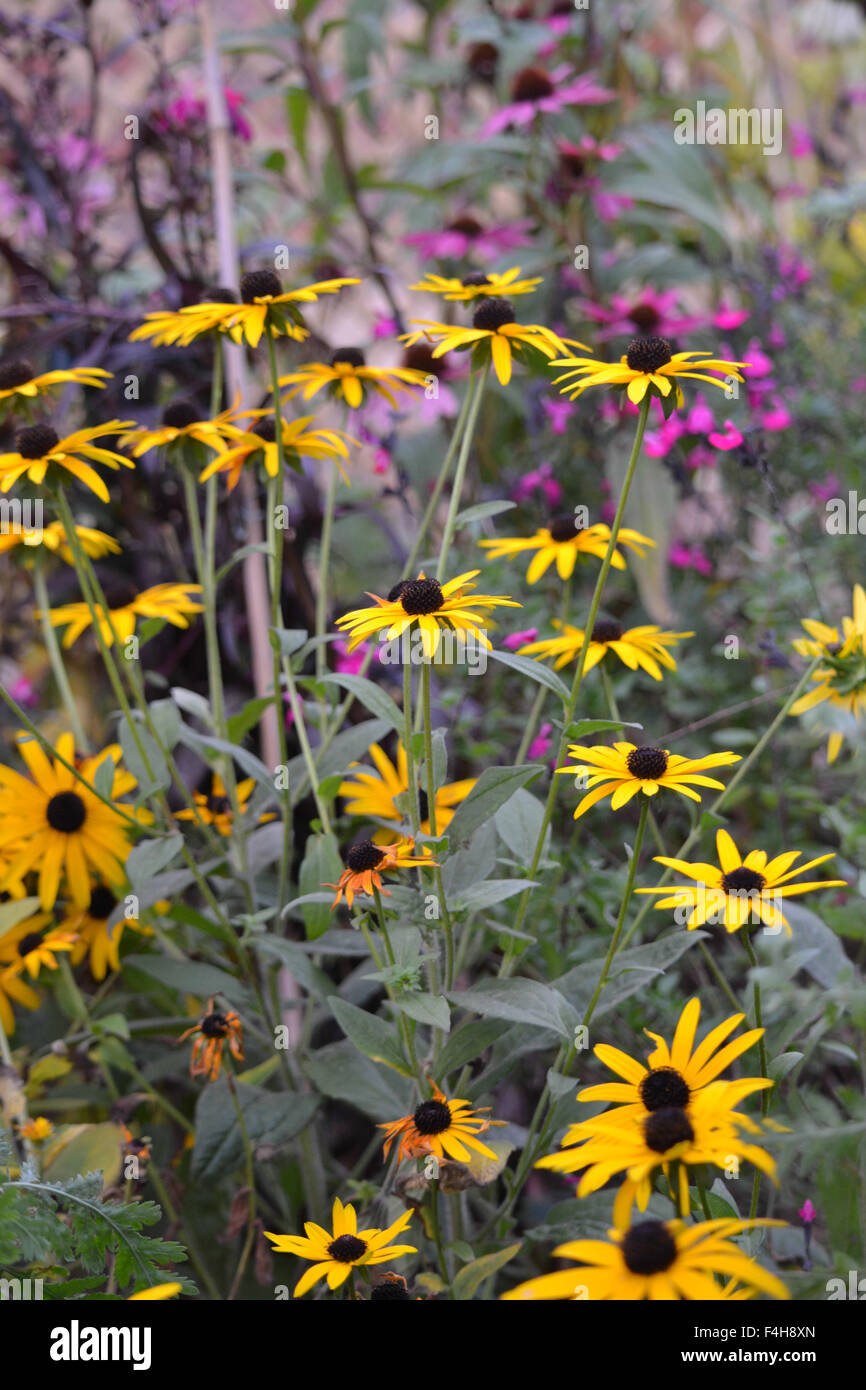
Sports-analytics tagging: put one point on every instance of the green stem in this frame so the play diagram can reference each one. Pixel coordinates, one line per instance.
(477, 390)
(440, 483)
(617, 933)
(55, 656)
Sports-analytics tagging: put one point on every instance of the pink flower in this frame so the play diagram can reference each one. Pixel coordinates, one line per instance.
(801, 141)
(700, 419)
(558, 410)
(859, 383)
(700, 457)
(759, 363)
(658, 443)
(240, 125)
(777, 337)
(349, 663)
(609, 206)
(727, 318)
(467, 234)
(540, 745)
(385, 327)
(539, 479)
(729, 438)
(381, 461)
(607, 512)
(519, 639)
(535, 91)
(650, 312)
(689, 557)
(807, 1212)
(778, 417)
(829, 488)
(23, 692)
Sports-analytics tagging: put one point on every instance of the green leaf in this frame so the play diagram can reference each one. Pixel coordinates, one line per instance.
(297, 110)
(290, 639)
(581, 727)
(270, 1117)
(345, 749)
(519, 822)
(470, 1278)
(187, 976)
(492, 790)
(467, 1043)
(828, 961)
(535, 670)
(146, 859)
(631, 971)
(152, 774)
(246, 719)
(371, 1035)
(12, 913)
(426, 1008)
(371, 696)
(103, 780)
(494, 890)
(343, 1073)
(74, 1149)
(322, 864)
(165, 716)
(783, 1064)
(520, 1001)
(482, 510)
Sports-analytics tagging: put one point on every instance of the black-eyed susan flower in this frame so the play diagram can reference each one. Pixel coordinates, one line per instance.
(58, 826)
(40, 451)
(215, 807)
(391, 1288)
(648, 364)
(30, 948)
(443, 1127)
(214, 1029)
(372, 794)
(260, 442)
(478, 285)
(659, 1261)
(365, 864)
(262, 301)
(673, 1075)
(841, 680)
(174, 603)
(36, 1130)
(182, 420)
(495, 336)
(709, 1131)
(739, 891)
(563, 542)
(336, 1253)
(623, 770)
(427, 606)
(20, 382)
(54, 539)
(93, 938)
(347, 377)
(644, 648)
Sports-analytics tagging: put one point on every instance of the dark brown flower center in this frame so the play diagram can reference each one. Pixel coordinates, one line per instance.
(645, 318)
(347, 1249)
(420, 358)
(29, 943)
(215, 1025)
(648, 354)
(218, 294)
(564, 528)
(419, 596)
(469, 226)
(743, 880)
(493, 314)
(432, 1117)
(477, 277)
(351, 356)
(66, 812)
(664, 1128)
(607, 631)
(663, 1087)
(267, 429)
(180, 414)
(648, 1248)
(531, 84)
(256, 284)
(35, 441)
(15, 373)
(390, 1290)
(363, 856)
(481, 61)
(102, 903)
(647, 763)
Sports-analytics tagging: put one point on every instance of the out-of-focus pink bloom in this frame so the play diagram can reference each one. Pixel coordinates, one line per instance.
(240, 125)
(777, 338)
(349, 663)
(23, 692)
(187, 112)
(829, 488)
(859, 383)
(807, 1212)
(381, 461)
(290, 718)
(729, 438)
(802, 143)
(652, 312)
(700, 457)
(466, 234)
(689, 557)
(778, 417)
(726, 317)
(607, 512)
(558, 410)
(658, 443)
(540, 745)
(539, 479)
(519, 639)
(535, 91)
(759, 364)
(385, 327)
(792, 273)
(608, 205)
(700, 419)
